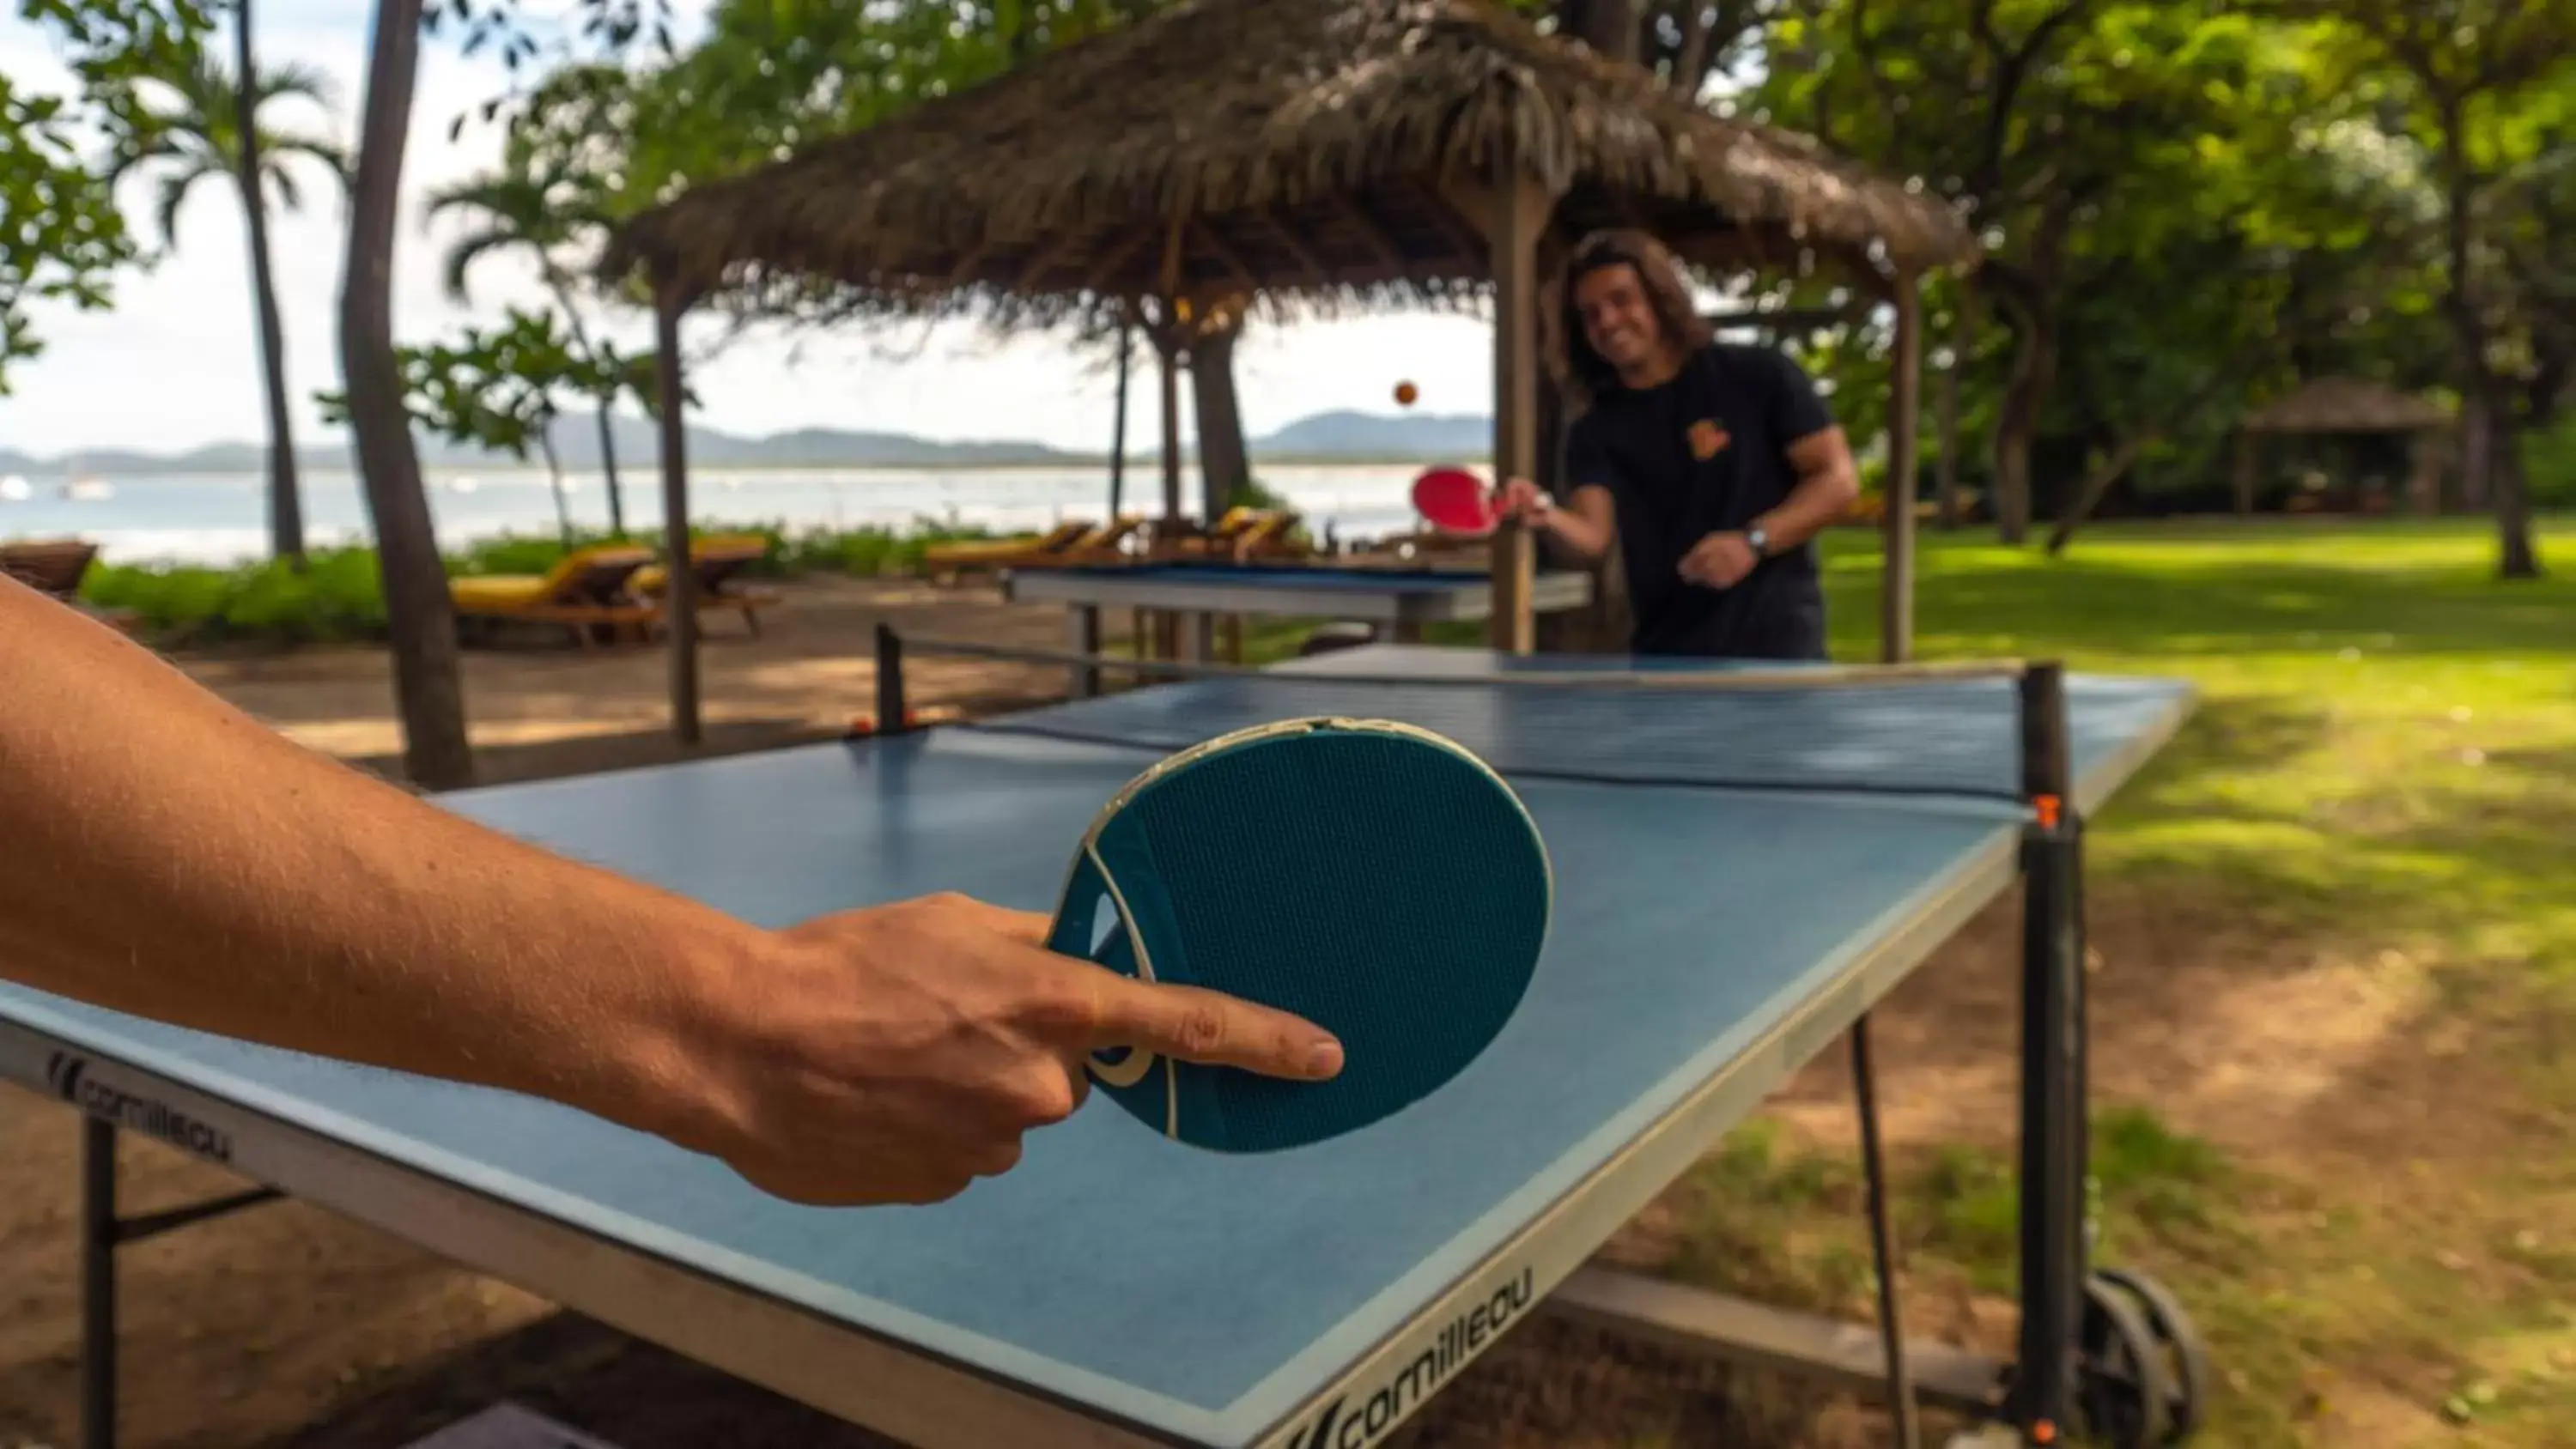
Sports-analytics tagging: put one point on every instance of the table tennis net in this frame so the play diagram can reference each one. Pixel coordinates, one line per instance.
(1958, 738)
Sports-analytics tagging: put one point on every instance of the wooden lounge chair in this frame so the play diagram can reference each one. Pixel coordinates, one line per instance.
(948, 559)
(1100, 545)
(1271, 535)
(52, 566)
(55, 567)
(714, 563)
(589, 591)
(1183, 539)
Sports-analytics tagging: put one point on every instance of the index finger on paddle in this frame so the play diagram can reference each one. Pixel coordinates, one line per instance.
(1190, 1024)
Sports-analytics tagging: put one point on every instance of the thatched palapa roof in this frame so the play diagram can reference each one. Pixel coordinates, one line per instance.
(1294, 148)
(2346, 405)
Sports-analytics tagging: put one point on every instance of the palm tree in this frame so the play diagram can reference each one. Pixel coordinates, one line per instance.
(213, 129)
(540, 208)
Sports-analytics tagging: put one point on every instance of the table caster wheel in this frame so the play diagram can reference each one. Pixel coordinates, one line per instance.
(2188, 1353)
(2144, 1369)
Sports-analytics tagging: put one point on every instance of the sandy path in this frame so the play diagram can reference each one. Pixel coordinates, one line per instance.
(537, 706)
(286, 1321)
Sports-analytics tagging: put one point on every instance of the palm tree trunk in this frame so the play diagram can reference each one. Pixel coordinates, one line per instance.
(1118, 427)
(607, 438)
(285, 499)
(419, 613)
(608, 471)
(554, 482)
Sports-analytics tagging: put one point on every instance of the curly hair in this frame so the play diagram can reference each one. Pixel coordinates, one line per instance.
(1585, 373)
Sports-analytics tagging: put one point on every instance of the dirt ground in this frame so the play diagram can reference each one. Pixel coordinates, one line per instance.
(538, 706)
(289, 1328)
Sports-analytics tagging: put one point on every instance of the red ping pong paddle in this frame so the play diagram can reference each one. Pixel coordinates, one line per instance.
(1455, 501)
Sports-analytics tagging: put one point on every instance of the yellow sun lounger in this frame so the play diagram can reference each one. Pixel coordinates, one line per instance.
(1272, 535)
(1066, 543)
(1241, 532)
(714, 563)
(1003, 552)
(587, 591)
(1098, 545)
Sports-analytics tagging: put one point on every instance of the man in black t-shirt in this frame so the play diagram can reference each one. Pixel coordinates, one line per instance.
(1710, 466)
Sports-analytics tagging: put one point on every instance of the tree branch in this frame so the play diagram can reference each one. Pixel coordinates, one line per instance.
(1690, 66)
(1867, 51)
(2012, 66)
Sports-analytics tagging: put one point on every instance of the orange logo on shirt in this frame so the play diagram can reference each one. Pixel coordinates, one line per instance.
(1707, 439)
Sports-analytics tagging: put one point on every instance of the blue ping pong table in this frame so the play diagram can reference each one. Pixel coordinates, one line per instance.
(1737, 884)
(1398, 601)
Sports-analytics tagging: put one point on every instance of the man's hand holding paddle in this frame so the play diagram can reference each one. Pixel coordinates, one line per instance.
(897, 1053)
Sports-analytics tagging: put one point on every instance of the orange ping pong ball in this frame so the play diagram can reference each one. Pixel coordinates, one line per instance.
(1405, 393)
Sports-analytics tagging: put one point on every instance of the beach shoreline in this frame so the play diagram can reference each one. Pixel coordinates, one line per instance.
(221, 520)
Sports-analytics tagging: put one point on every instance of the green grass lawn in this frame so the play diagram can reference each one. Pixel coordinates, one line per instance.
(2382, 769)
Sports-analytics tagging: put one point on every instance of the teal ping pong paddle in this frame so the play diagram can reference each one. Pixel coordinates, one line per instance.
(1374, 878)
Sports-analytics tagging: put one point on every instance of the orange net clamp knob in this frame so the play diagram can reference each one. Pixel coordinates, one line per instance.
(2047, 808)
(2043, 1432)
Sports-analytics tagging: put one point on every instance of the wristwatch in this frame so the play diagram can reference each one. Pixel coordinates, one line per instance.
(1760, 538)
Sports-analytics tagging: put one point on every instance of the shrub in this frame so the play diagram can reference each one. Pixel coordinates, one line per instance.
(339, 597)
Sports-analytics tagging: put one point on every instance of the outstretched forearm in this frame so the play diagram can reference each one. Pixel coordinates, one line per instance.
(1827, 483)
(1583, 529)
(170, 857)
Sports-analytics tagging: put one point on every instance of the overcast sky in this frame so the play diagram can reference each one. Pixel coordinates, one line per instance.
(175, 364)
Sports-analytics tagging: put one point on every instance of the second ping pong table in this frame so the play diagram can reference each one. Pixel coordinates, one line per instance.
(1741, 874)
(1399, 601)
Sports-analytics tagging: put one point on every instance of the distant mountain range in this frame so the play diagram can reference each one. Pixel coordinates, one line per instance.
(1323, 438)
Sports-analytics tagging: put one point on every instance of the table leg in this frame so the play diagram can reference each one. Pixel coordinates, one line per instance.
(98, 1234)
(2053, 1094)
(1197, 638)
(1083, 623)
(1891, 1325)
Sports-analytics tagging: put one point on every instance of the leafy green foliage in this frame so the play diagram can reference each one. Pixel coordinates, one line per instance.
(110, 42)
(2549, 463)
(338, 597)
(2197, 204)
(65, 237)
(184, 127)
(334, 598)
(499, 387)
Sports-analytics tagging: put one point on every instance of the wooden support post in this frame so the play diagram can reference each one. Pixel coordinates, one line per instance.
(2244, 474)
(1904, 410)
(1118, 428)
(1516, 211)
(679, 589)
(1165, 346)
(1169, 341)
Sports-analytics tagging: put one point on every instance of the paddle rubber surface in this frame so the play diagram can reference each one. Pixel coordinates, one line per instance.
(1456, 501)
(1373, 878)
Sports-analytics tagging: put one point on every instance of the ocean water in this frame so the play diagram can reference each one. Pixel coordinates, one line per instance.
(219, 519)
